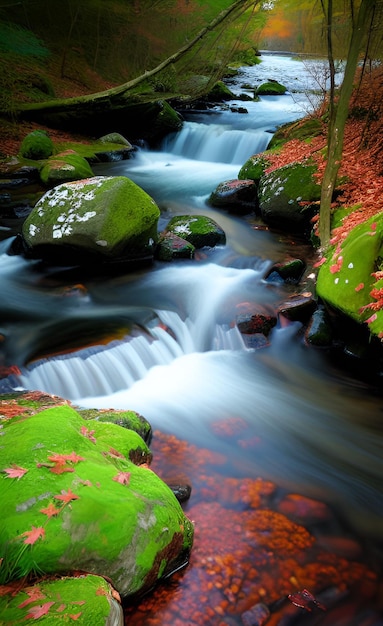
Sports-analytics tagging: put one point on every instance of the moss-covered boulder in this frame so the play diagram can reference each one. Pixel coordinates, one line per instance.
(220, 92)
(126, 419)
(36, 145)
(351, 280)
(74, 500)
(99, 218)
(85, 599)
(289, 197)
(65, 167)
(254, 168)
(198, 230)
(237, 196)
(170, 247)
(270, 88)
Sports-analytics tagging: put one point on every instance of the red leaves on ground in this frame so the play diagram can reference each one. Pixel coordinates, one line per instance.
(123, 478)
(33, 535)
(33, 593)
(66, 496)
(15, 471)
(60, 462)
(305, 600)
(75, 615)
(36, 612)
(50, 510)
(88, 433)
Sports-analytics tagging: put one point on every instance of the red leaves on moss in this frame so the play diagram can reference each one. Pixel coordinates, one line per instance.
(34, 594)
(15, 471)
(67, 496)
(88, 433)
(33, 535)
(60, 462)
(50, 510)
(123, 478)
(35, 612)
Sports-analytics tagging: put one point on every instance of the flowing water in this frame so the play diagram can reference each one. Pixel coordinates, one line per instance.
(177, 358)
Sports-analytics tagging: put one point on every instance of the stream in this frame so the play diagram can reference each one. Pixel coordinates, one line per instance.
(174, 354)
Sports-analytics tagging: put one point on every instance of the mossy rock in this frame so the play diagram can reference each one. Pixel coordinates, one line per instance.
(103, 217)
(126, 419)
(304, 130)
(115, 138)
(220, 92)
(345, 281)
(254, 168)
(87, 600)
(198, 230)
(289, 196)
(36, 145)
(270, 88)
(64, 167)
(79, 503)
(237, 196)
(170, 247)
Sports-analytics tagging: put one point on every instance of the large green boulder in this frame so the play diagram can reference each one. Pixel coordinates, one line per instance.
(74, 498)
(85, 599)
(254, 168)
(288, 197)
(103, 217)
(65, 167)
(350, 279)
(199, 230)
(270, 88)
(36, 145)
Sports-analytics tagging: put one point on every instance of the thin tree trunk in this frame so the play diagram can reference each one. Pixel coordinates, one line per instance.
(340, 113)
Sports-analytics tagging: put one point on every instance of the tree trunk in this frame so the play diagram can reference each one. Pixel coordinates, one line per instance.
(337, 122)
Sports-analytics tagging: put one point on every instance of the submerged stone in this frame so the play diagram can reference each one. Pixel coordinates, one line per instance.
(103, 217)
(76, 501)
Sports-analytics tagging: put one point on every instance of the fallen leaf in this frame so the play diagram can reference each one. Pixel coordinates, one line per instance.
(61, 608)
(33, 535)
(122, 477)
(38, 611)
(33, 593)
(15, 471)
(67, 496)
(50, 510)
(305, 600)
(88, 433)
(75, 615)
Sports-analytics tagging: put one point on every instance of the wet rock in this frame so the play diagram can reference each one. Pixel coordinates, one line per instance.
(82, 503)
(290, 271)
(64, 167)
(220, 92)
(181, 492)
(256, 323)
(170, 247)
(97, 219)
(299, 308)
(270, 88)
(258, 615)
(87, 598)
(254, 168)
(238, 196)
(319, 330)
(198, 230)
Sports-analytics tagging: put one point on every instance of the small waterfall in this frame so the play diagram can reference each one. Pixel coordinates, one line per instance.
(217, 143)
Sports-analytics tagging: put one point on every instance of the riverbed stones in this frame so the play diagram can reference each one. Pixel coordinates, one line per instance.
(237, 196)
(99, 218)
(85, 599)
(74, 500)
(199, 230)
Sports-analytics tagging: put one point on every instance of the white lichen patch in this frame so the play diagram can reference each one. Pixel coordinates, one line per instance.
(102, 242)
(182, 229)
(33, 230)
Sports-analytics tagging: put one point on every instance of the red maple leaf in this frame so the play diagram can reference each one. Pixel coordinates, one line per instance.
(33, 593)
(38, 611)
(33, 535)
(15, 471)
(62, 459)
(67, 496)
(122, 477)
(50, 510)
(88, 433)
(305, 600)
(75, 615)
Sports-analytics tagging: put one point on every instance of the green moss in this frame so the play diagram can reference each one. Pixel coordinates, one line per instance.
(110, 527)
(270, 88)
(126, 419)
(86, 599)
(254, 168)
(36, 145)
(220, 92)
(65, 167)
(198, 230)
(345, 280)
(304, 130)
